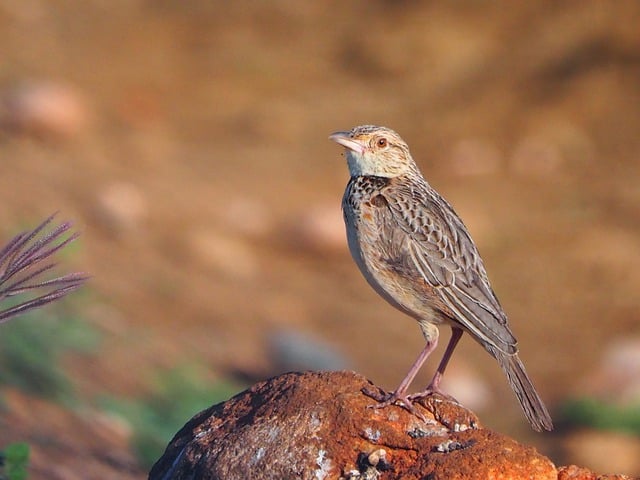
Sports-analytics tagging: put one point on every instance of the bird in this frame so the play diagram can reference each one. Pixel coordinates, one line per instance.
(417, 254)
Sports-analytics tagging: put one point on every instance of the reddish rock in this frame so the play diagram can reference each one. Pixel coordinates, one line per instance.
(44, 109)
(318, 426)
(572, 472)
(121, 207)
(318, 229)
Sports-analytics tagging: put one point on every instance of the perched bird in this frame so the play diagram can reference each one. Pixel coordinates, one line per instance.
(414, 250)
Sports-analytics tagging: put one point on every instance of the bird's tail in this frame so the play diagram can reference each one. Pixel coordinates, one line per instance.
(530, 401)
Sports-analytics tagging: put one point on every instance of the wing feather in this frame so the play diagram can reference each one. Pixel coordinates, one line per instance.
(439, 248)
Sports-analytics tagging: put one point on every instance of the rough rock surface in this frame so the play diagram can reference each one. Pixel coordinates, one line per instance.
(318, 426)
(573, 472)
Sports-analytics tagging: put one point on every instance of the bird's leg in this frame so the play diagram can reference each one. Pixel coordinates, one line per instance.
(400, 393)
(434, 385)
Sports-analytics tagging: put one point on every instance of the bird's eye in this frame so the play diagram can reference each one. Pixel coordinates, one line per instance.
(382, 142)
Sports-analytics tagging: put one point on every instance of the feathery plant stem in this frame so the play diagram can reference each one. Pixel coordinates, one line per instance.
(26, 258)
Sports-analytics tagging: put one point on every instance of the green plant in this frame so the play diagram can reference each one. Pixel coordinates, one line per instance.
(179, 394)
(31, 351)
(601, 415)
(14, 460)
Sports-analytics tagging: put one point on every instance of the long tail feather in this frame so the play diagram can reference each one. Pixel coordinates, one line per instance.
(531, 403)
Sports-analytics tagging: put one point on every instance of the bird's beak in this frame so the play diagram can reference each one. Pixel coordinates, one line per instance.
(347, 142)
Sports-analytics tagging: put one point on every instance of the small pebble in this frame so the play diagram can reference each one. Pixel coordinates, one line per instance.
(319, 229)
(121, 206)
(44, 109)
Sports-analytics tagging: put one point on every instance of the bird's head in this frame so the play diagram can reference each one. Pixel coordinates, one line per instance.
(377, 151)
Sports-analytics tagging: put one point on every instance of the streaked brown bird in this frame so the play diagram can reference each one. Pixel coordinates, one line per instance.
(414, 250)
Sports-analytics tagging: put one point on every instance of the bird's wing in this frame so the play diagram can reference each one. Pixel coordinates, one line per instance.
(439, 247)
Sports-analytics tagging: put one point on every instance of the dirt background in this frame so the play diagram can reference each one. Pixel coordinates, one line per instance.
(188, 141)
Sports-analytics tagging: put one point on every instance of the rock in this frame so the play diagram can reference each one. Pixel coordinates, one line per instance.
(292, 351)
(247, 216)
(573, 472)
(121, 206)
(318, 426)
(45, 109)
(319, 229)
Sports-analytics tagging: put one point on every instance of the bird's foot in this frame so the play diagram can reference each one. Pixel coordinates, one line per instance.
(401, 399)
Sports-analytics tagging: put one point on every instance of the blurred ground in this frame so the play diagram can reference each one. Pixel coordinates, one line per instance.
(189, 141)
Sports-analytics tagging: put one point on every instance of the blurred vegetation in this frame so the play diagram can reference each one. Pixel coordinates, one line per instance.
(179, 394)
(589, 412)
(14, 460)
(32, 350)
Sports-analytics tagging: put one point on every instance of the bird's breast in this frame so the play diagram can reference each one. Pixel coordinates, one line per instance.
(380, 254)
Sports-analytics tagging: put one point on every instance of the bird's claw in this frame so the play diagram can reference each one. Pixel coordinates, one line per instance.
(378, 395)
(385, 399)
(424, 394)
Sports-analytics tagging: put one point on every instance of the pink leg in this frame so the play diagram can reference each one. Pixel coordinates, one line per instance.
(400, 393)
(434, 385)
